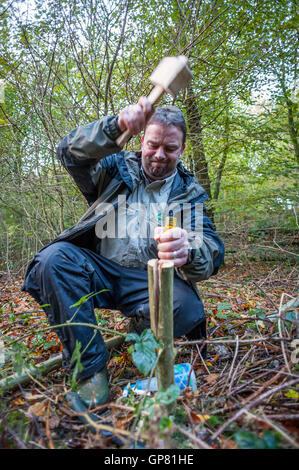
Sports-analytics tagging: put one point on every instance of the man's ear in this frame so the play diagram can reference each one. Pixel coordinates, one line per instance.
(183, 148)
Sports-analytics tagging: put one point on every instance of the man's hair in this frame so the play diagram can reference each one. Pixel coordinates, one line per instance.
(169, 115)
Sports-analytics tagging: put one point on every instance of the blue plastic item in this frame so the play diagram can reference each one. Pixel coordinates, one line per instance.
(181, 374)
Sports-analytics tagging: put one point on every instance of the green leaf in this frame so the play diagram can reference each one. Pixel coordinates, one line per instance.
(131, 349)
(147, 337)
(291, 316)
(247, 440)
(143, 358)
(102, 321)
(222, 306)
(214, 420)
(144, 351)
(85, 298)
(49, 344)
(256, 312)
(132, 337)
(165, 423)
(168, 396)
(292, 394)
(270, 440)
(219, 315)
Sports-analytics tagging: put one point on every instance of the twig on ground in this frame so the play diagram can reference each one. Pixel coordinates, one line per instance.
(250, 405)
(16, 438)
(197, 440)
(234, 358)
(283, 309)
(48, 431)
(277, 428)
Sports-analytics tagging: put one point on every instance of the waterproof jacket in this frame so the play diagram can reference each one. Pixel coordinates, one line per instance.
(102, 172)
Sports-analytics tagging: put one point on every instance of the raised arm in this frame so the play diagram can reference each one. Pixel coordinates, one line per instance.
(83, 150)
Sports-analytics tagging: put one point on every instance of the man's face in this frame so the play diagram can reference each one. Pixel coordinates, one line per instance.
(161, 147)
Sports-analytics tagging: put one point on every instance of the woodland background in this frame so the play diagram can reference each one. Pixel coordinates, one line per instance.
(67, 63)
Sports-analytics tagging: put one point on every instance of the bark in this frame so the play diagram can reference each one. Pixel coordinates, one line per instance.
(291, 111)
(200, 163)
(44, 368)
(223, 160)
(160, 277)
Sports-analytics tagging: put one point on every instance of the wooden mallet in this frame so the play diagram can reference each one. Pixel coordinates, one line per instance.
(171, 75)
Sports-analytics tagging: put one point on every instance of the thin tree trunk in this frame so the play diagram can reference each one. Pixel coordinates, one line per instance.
(223, 159)
(200, 163)
(291, 127)
(195, 132)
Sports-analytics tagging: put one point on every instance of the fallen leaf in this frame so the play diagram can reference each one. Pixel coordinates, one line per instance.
(18, 401)
(212, 378)
(38, 409)
(54, 422)
(31, 398)
(227, 443)
(215, 359)
(198, 418)
(121, 423)
(118, 359)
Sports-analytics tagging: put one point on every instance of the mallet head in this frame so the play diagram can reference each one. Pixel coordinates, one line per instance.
(173, 74)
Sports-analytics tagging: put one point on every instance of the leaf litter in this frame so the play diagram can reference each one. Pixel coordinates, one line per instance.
(247, 389)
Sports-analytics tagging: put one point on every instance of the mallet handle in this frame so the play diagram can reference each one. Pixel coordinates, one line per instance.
(154, 97)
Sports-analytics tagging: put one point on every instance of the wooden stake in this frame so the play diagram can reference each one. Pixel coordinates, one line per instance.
(160, 283)
(154, 290)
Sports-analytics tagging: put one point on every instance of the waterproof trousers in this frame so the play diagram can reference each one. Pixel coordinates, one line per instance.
(62, 273)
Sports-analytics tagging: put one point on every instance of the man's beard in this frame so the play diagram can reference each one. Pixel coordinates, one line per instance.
(158, 171)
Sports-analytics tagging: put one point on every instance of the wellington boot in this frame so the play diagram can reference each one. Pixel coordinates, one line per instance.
(94, 391)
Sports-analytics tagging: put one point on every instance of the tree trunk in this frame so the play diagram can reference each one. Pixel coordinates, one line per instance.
(291, 111)
(223, 159)
(200, 163)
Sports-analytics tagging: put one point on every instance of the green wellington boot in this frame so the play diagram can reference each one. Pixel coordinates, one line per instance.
(94, 391)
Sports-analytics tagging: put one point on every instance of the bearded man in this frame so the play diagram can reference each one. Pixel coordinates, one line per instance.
(106, 253)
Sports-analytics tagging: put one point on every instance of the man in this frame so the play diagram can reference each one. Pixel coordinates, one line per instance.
(106, 252)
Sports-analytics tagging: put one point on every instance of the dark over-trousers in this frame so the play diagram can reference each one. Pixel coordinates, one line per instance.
(63, 273)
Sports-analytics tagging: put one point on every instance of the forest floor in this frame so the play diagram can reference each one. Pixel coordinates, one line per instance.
(247, 388)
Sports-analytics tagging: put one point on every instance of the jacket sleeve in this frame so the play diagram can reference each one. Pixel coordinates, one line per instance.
(82, 153)
(207, 256)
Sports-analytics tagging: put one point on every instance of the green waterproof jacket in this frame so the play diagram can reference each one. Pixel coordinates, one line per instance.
(103, 172)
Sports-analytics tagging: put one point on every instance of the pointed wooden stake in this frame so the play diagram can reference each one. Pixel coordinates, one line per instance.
(160, 284)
